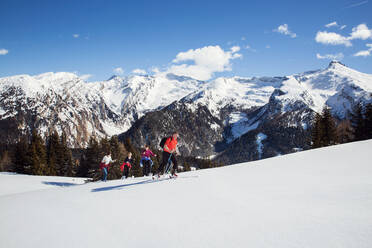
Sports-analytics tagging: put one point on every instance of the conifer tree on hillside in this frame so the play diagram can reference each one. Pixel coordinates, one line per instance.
(104, 147)
(368, 121)
(21, 159)
(324, 129)
(90, 159)
(358, 123)
(118, 153)
(5, 161)
(344, 132)
(317, 131)
(328, 128)
(37, 155)
(52, 150)
(64, 158)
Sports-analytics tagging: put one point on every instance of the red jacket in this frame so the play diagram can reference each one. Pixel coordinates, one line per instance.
(125, 164)
(103, 165)
(171, 144)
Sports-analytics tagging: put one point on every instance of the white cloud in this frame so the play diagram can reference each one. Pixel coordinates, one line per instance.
(139, 71)
(76, 35)
(332, 24)
(356, 4)
(364, 53)
(361, 32)
(283, 29)
(342, 27)
(86, 76)
(330, 38)
(268, 46)
(3, 51)
(243, 38)
(338, 56)
(203, 62)
(118, 71)
(235, 49)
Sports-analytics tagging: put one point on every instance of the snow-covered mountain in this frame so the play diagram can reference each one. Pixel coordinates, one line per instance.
(64, 102)
(318, 198)
(232, 113)
(210, 115)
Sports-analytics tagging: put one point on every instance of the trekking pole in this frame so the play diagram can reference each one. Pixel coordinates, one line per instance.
(168, 164)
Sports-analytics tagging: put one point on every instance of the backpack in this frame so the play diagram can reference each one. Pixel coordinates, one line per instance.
(162, 142)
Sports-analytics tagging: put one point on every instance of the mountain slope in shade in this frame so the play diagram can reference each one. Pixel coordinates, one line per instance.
(318, 198)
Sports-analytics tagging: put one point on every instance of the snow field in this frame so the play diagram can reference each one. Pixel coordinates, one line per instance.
(317, 198)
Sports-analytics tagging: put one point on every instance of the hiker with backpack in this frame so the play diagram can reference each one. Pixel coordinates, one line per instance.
(126, 166)
(105, 165)
(169, 146)
(146, 157)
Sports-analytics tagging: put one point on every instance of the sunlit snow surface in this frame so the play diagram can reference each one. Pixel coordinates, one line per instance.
(317, 198)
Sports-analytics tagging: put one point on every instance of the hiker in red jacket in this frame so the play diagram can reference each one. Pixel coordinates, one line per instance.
(169, 153)
(126, 166)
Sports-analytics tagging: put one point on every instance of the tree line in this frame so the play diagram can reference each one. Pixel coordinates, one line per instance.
(327, 130)
(52, 157)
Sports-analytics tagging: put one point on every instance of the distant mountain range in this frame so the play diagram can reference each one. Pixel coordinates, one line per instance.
(232, 119)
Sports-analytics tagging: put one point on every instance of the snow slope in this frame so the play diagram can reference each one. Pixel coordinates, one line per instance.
(317, 198)
(11, 183)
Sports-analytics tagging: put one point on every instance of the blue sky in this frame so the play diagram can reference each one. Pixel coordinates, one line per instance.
(97, 39)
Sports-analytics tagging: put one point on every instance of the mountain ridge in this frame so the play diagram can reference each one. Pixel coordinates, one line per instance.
(226, 108)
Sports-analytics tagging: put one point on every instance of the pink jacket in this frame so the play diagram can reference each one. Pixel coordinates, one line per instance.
(147, 153)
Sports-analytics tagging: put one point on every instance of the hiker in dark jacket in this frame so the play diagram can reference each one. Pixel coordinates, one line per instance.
(126, 166)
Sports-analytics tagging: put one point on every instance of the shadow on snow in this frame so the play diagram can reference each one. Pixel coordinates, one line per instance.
(127, 185)
(60, 184)
(137, 183)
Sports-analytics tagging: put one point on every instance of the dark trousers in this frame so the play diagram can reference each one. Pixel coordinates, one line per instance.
(147, 166)
(126, 171)
(166, 156)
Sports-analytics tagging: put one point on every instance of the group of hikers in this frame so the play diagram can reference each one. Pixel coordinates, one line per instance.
(169, 146)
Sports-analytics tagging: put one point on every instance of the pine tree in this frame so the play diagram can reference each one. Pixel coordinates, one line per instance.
(358, 123)
(65, 158)
(21, 158)
(104, 147)
(37, 155)
(328, 126)
(5, 161)
(93, 159)
(118, 154)
(368, 121)
(324, 129)
(52, 150)
(316, 134)
(344, 132)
